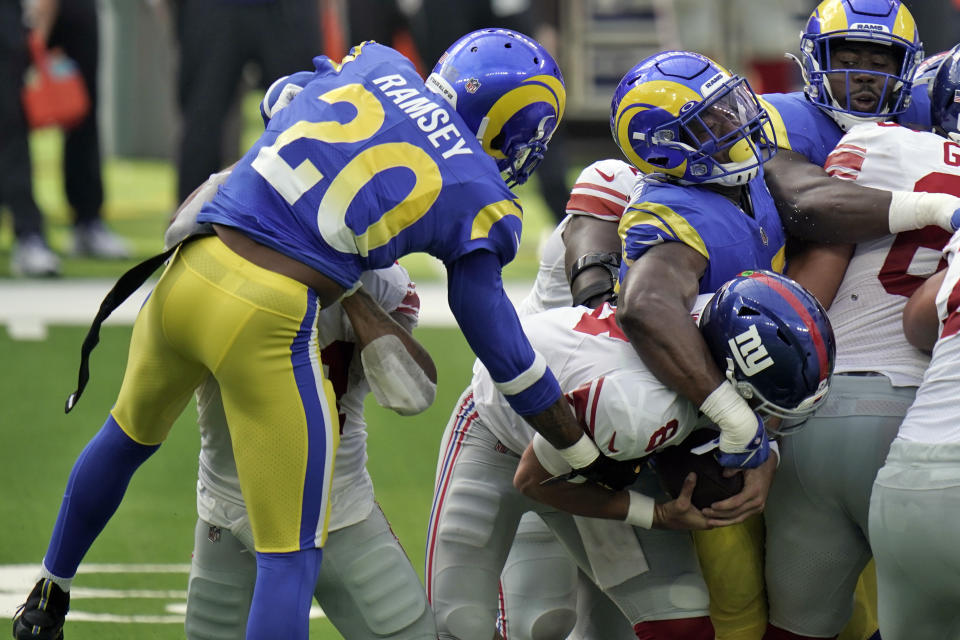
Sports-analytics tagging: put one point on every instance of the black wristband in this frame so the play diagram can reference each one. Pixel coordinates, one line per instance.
(592, 290)
(609, 261)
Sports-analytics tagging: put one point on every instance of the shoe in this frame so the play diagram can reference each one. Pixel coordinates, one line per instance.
(32, 258)
(93, 239)
(41, 617)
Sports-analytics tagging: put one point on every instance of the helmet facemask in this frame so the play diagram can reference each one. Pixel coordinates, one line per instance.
(725, 137)
(821, 62)
(522, 157)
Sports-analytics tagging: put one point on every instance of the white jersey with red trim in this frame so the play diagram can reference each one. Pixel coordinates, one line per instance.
(931, 418)
(352, 494)
(602, 190)
(617, 400)
(867, 311)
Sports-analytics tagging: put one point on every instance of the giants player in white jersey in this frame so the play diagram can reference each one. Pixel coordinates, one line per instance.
(576, 257)
(629, 414)
(817, 512)
(361, 555)
(916, 495)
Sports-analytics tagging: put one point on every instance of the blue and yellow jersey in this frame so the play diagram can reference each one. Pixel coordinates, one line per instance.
(364, 166)
(802, 126)
(707, 222)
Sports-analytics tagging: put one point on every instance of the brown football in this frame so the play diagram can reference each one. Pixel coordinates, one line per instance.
(672, 465)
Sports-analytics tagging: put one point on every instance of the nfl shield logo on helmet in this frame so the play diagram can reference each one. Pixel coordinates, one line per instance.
(472, 85)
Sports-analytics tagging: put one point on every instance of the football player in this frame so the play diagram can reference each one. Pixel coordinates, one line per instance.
(476, 508)
(366, 164)
(858, 59)
(817, 540)
(223, 569)
(917, 482)
(361, 553)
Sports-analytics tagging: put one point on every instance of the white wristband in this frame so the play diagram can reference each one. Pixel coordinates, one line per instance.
(640, 513)
(775, 450)
(581, 453)
(909, 210)
(729, 411)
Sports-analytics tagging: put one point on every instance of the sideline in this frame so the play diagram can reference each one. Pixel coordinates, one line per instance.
(28, 307)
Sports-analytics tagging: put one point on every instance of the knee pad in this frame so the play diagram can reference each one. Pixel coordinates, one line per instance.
(220, 588)
(680, 629)
(388, 588)
(539, 585)
(468, 622)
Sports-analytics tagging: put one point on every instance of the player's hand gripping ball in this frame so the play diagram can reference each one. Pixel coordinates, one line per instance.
(672, 465)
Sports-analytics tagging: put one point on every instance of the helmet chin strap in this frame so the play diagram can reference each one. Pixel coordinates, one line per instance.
(847, 121)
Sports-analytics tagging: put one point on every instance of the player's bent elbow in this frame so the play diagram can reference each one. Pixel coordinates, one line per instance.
(921, 325)
(526, 482)
(416, 404)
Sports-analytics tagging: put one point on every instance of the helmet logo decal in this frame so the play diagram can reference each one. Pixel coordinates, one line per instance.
(749, 352)
(869, 26)
(713, 84)
(440, 85)
(472, 85)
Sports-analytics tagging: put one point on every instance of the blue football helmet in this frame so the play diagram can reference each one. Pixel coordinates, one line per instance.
(282, 92)
(681, 114)
(510, 93)
(881, 22)
(945, 96)
(773, 341)
(916, 115)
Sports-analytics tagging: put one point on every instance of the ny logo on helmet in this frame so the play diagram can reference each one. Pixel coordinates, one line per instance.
(749, 352)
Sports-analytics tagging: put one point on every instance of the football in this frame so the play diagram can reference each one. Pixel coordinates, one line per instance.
(672, 465)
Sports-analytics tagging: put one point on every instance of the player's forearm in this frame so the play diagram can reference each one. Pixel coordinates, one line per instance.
(582, 499)
(921, 324)
(586, 236)
(669, 343)
(817, 207)
(370, 321)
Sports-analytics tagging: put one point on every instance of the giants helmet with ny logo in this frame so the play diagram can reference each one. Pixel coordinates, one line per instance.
(773, 341)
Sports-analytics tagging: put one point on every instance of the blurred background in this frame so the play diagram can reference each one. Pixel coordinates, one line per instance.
(178, 81)
(174, 87)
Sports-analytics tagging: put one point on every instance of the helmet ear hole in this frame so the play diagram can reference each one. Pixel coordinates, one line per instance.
(497, 142)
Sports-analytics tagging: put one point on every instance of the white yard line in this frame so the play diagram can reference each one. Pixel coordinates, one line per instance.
(28, 307)
(16, 580)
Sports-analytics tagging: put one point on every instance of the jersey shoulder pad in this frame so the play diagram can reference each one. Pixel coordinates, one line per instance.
(665, 212)
(492, 219)
(603, 189)
(883, 142)
(801, 126)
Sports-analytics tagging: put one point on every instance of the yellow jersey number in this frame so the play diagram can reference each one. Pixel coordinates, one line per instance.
(293, 182)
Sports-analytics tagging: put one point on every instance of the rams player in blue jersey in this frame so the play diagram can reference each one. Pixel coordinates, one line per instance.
(700, 215)
(858, 59)
(366, 164)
